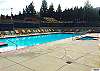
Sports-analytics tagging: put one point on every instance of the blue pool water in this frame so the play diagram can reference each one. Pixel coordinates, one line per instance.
(88, 38)
(34, 40)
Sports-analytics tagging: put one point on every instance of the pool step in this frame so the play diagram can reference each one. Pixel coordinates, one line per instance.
(3, 44)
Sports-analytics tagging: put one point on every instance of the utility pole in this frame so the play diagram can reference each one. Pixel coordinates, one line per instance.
(12, 18)
(11, 13)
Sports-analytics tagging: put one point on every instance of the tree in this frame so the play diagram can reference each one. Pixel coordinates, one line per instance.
(59, 13)
(20, 16)
(59, 9)
(7, 17)
(32, 11)
(51, 12)
(2, 17)
(24, 13)
(43, 9)
(75, 13)
(65, 15)
(88, 10)
(88, 5)
(81, 14)
(29, 11)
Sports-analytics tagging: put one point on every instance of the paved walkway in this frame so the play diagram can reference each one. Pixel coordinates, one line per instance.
(63, 55)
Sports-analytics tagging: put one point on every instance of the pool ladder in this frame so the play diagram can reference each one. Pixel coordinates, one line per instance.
(81, 33)
(13, 43)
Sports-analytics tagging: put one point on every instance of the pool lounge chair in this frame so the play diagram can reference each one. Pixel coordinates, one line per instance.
(47, 30)
(29, 31)
(12, 32)
(17, 31)
(42, 30)
(38, 30)
(33, 31)
(23, 31)
(50, 30)
(77, 30)
(7, 32)
(2, 34)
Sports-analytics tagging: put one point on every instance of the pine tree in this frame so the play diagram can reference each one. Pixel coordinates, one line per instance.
(27, 11)
(43, 10)
(87, 5)
(59, 13)
(20, 16)
(59, 9)
(2, 17)
(32, 11)
(24, 13)
(7, 17)
(87, 11)
(51, 12)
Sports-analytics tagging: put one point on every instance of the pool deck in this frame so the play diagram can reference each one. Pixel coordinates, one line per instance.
(62, 55)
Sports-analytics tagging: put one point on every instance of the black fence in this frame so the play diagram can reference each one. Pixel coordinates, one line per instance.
(25, 25)
(11, 26)
(5, 26)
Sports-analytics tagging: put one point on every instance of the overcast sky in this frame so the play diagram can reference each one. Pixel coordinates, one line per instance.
(18, 5)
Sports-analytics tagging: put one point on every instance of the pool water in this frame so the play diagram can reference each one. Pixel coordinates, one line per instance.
(21, 42)
(88, 38)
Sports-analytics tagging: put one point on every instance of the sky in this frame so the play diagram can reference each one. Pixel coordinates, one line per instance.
(18, 5)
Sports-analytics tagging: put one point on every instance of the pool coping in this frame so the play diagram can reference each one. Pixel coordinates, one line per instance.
(36, 34)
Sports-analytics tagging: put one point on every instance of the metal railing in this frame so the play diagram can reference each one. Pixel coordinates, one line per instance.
(81, 33)
(13, 43)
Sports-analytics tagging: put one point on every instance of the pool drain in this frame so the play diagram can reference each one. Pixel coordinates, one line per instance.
(69, 62)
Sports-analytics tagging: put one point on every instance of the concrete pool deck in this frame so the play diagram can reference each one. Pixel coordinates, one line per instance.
(62, 55)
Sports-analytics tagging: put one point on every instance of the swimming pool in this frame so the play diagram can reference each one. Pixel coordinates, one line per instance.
(26, 41)
(88, 38)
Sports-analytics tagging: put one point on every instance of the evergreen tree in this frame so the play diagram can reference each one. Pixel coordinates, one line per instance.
(88, 11)
(32, 11)
(71, 14)
(24, 13)
(2, 17)
(20, 16)
(59, 9)
(88, 5)
(43, 10)
(64, 14)
(7, 17)
(59, 13)
(81, 14)
(76, 14)
(27, 11)
(51, 12)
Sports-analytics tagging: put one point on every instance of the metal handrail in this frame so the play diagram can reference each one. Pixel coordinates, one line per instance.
(14, 43)
(81, 33)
